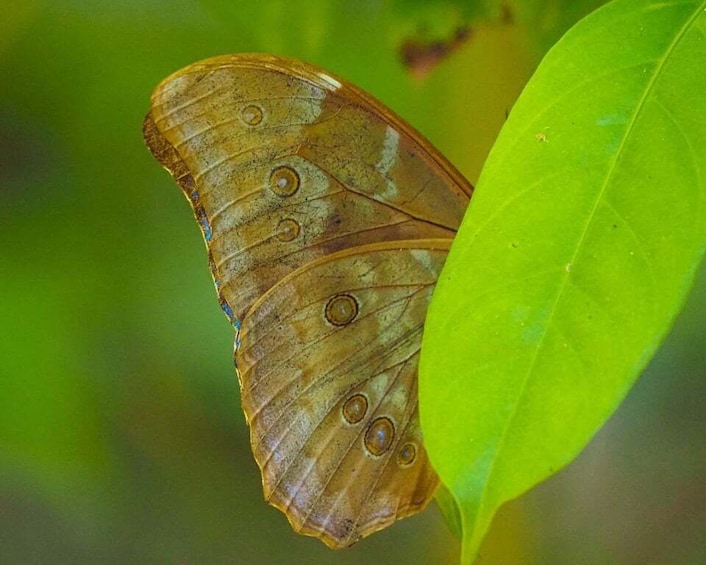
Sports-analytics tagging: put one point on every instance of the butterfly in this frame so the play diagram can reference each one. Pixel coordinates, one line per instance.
(327, 220)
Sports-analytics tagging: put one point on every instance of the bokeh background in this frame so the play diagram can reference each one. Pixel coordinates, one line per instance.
(121, 436)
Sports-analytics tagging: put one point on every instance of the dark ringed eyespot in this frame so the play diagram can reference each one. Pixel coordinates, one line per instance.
(288, 230)
(379, 436)
(341, 309)
(251, 115)
(355, 408)
(407, 454)
(284, 181)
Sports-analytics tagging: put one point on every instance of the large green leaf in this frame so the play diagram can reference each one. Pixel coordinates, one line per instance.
(577, 252)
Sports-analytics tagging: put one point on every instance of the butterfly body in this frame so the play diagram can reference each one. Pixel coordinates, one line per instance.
(327, 220)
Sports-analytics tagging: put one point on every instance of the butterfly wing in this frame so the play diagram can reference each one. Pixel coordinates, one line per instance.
(312, 197)
(284, 164)
(328, 369)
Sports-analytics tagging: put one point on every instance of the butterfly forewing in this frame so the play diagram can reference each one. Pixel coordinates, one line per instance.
(327, 220)
(288, 166)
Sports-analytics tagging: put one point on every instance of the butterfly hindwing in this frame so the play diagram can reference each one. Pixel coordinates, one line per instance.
(333, 414)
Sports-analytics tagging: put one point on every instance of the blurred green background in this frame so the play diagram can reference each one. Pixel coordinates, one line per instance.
(121, 435)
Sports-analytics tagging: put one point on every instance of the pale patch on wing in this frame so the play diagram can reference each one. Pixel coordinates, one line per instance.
(388, 159)
(332, 82)
(398, 397)
(379, 384)
(314, 111)
(424, 259)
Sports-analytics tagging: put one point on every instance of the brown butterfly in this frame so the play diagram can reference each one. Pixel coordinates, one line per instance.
(327, 220)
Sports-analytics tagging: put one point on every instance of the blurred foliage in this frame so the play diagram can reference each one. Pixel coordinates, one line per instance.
(121, 437)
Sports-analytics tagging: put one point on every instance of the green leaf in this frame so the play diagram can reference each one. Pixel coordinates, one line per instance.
(578, 250)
